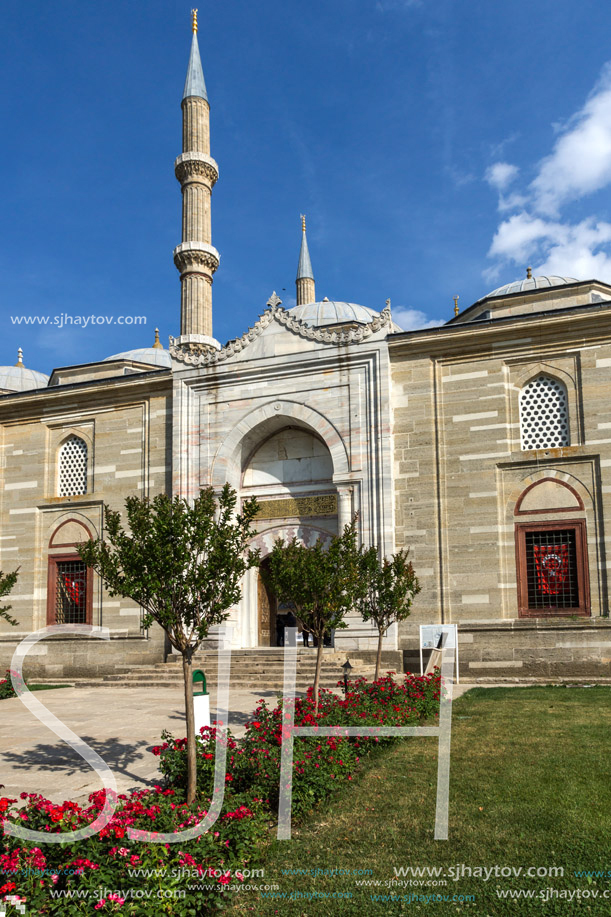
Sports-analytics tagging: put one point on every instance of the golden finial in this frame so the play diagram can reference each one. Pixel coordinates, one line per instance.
(456, 309)
(529, 273)
(158, 345)
(20, 358)
(303, 222)
(194, 21)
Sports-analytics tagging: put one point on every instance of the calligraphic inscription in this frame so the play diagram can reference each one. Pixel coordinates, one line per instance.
(316, 505)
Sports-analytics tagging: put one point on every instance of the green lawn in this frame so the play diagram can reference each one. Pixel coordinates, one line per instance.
(530, 787)
(48, 687)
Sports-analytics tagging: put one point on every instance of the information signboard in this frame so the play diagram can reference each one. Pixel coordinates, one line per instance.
(431, 639)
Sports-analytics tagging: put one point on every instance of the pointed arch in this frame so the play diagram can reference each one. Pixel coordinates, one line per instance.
(262, 423)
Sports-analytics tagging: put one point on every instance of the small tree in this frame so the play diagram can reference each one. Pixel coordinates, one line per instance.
(389, 587)
(320, 581)
(7, 582)
(183, 565)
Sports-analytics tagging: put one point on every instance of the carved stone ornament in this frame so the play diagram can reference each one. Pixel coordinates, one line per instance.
(349, 334)
(195, 167)
(195, 259)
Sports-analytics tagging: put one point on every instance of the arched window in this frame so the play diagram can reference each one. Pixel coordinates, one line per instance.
(70, 581)
(73, 467)
(544, 414)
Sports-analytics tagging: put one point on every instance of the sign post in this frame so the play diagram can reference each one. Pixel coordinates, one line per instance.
(436, 637)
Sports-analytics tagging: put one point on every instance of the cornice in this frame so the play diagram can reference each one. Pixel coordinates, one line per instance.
(346, 334)
(25, 406)
(552, 326)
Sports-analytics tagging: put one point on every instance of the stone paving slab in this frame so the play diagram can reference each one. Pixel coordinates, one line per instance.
(121, 724)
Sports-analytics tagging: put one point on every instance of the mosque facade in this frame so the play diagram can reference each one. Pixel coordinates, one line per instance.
(482, 445)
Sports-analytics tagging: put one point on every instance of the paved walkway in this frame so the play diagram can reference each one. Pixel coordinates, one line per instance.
(121, 724)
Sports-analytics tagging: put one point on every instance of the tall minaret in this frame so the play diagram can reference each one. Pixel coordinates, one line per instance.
(196, 258)
(306, 291)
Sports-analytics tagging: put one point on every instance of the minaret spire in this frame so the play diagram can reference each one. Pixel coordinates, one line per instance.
(306, 290)
(196, 258)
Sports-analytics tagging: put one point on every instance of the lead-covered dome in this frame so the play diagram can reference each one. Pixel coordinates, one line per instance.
(531, 283)
(20, 379)
(153, 355)
(328, 312)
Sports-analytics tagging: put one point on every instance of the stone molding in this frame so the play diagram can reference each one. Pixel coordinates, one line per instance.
(352, 333)
(196, 343)
(189, 165)
(193, 256)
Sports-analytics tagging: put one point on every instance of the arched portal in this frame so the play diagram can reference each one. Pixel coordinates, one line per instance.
(290, 471)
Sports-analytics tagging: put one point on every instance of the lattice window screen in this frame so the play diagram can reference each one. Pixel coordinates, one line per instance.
(73, 467)
(544, 414)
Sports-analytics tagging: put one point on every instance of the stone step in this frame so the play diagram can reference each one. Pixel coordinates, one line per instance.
(237, 685)
(234, 675)
(234, 680)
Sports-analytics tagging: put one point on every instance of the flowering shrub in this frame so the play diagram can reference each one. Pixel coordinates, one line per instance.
(108, 874)
(319, 763)
(6, 685)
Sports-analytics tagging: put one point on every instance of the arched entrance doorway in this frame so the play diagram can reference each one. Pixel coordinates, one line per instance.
(291, 474)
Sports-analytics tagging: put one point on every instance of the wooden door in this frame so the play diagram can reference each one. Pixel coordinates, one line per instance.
(267, 615)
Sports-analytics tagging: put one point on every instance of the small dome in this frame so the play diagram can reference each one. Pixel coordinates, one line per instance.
(531, 283)
(21, 379)
(331, 313)
(156, 356)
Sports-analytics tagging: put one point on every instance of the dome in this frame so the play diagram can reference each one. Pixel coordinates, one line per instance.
(531, 283)
(156, 356)
(20, 379)
(328, 312)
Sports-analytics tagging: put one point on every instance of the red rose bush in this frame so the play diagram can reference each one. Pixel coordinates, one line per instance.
(109, 874)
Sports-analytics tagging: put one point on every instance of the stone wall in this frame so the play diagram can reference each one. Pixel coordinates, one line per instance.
(460, 469)
(126, 425)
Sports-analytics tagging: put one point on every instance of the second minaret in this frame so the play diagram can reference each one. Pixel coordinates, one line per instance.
(196, 258)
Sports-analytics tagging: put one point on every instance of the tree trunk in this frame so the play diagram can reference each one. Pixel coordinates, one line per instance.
(319, 649)
(187, 669)
(379, 656)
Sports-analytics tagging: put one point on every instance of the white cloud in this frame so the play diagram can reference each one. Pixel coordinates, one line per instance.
(501, 174)
(573, 250)
(579, 165)
(513, 201)
(414, 320)
(579, 252)
(515, 237)
(580, 162)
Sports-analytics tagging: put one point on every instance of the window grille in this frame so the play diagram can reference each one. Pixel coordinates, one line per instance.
(551, 569)
(71, 593)
(544, 415)
(73, 467)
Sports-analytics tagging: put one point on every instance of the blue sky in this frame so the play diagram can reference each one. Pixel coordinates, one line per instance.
(437, 149)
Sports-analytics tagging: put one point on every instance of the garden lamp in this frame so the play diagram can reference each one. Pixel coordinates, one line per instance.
(347, 669)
